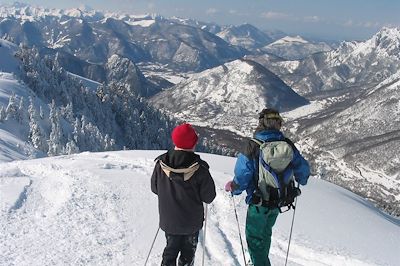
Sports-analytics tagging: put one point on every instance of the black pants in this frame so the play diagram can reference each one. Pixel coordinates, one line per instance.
(185, 244)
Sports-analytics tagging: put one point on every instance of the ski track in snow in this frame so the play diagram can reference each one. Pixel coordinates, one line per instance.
(74, 217)
(97, 209)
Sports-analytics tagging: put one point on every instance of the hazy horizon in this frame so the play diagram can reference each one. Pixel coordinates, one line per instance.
(318, 19)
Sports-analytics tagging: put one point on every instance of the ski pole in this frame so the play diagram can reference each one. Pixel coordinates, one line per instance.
(204, 233)
(151, 248)
(291, 229)
(240, 235)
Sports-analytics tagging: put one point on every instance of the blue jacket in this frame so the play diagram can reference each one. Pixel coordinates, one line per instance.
(247, 164)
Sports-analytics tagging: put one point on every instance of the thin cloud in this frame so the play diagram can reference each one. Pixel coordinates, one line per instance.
(363, 24)
(271, 15)
(211, 11)
(275, 15)
(237, 13)
(348, 23)
(370, 24)
(312, 19)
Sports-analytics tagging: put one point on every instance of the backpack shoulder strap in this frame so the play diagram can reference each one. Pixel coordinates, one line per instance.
(259, 142)
(288, 141)
(256, 157)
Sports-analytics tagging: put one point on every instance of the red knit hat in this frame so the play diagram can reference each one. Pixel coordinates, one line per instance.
(184, 136)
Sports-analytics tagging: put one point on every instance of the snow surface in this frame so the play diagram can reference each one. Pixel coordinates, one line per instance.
(289, 39)
(97, 209)
(88, 83)
(310, 109)
(13, 136)
(141, 23)
(8, 63)
(13, 144)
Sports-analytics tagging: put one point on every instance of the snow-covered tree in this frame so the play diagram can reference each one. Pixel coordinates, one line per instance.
(12, 108)
(20, 114)
(113, 117)
(68, 112)
(71, 147)
(2, 113)
(55, 140)
(36, 134)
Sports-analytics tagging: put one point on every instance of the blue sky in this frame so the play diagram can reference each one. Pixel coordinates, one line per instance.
(325, 19)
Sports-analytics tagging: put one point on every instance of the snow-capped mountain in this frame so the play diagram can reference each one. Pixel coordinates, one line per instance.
(245, 35)
(295, 47)
(228, 96)
(116, 68)
(125, 71)
(207, 26)
(98, 209)
(351, 65)
(360, 136)
(94, 36)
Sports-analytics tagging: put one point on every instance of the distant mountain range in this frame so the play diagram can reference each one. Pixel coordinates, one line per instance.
(93, 37)
(351, 65)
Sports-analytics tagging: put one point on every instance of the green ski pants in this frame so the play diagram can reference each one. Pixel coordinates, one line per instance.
(259, 223)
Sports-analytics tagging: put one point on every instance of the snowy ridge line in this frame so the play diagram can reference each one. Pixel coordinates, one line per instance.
(27, 12)
(98, 209)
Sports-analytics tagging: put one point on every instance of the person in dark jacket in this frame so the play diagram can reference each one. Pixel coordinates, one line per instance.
(182, 182)
(260, 219)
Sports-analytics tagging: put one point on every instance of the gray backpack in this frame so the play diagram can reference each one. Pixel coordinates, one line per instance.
(275, 174)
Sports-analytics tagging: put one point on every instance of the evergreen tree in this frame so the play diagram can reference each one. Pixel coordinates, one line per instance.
(76, 134)
(35, 132)
(20, 114)
(109, 143)
(71, 147)
(2, 113)
(12, 109)
(113, 117)
(68, 112)
(55, 139)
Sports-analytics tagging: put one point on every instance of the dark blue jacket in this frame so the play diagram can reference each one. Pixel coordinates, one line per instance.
(246, 167)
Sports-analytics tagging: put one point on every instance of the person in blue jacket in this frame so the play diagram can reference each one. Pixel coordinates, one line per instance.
(261, 218)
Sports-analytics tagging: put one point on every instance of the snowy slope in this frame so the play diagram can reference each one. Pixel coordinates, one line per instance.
(295, 47)
(361, 137)
(245, 35)
(8, 63)
(88, 83)
(13, 135)
(97, 209)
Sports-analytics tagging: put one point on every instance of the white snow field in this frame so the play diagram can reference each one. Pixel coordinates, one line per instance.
(98, 209)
